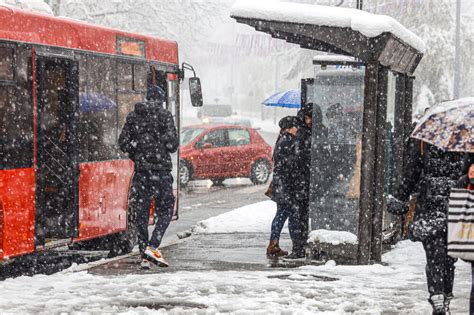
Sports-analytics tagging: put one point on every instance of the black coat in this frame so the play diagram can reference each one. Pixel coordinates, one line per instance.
(431, 173)
(463, 182)
(149, 136)
(304, 139)
(284, 160)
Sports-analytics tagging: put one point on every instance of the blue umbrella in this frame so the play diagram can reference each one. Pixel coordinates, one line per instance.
(288, 99)
(95, 102)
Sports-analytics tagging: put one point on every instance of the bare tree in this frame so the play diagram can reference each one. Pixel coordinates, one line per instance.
(55, 6)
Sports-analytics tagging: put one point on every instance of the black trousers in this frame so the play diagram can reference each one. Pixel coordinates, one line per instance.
(439, 266)
(147, 185)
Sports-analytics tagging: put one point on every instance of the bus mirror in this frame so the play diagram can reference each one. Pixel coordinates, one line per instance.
(195, 91)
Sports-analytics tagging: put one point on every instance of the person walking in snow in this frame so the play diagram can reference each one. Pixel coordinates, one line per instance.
(431, 173)
(149, 136)
(282, 185)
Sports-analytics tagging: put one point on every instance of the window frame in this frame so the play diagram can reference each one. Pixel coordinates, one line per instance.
(15, 86)
(201, 142)
(239, 129)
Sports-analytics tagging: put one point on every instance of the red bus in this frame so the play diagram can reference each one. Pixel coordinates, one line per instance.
(66, 88)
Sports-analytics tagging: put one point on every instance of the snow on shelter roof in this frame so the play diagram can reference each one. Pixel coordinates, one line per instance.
(370, 25)
(365, 36)
(333, 58)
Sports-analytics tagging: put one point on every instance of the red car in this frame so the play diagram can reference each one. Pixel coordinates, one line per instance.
(224, 151)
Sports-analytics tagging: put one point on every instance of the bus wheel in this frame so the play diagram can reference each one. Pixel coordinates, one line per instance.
(123, 243)
(260, 172)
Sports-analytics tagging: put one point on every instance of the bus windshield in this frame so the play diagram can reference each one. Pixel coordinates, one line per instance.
(189, 134)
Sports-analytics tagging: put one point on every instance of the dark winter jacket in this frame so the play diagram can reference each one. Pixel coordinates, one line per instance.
(284, 160)
(431, 173)
(463, 182)
(149, 136)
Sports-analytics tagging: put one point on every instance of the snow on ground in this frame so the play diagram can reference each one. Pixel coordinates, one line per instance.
(254, 218)
(398, 288)
(332, 237)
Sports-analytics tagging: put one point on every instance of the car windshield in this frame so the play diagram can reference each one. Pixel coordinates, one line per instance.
(189, 134)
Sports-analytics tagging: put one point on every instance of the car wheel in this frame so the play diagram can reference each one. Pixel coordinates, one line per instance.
(260, 172)
(184, 174)
(218, 182)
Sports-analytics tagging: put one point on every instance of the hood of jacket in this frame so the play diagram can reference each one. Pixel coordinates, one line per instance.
(312, 110)
(146, 108)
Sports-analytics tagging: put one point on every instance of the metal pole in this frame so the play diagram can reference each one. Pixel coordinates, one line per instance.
(367, 176)
(457, 53)
(276, 88)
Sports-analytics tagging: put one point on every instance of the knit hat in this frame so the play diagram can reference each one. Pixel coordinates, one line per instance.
(289, 122)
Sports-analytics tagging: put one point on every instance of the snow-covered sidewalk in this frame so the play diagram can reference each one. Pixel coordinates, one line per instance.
(399, 287)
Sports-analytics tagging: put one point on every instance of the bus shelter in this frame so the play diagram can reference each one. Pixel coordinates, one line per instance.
(365, 98)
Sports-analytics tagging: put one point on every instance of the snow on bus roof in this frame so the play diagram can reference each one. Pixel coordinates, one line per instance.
(31, 27)
(368, 24)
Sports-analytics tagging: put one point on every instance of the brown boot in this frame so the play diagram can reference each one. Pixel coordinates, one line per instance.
(282, 252)
(273, 250)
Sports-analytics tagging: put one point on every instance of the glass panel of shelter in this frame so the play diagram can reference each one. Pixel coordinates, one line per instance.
(336, 164)
(337, 149)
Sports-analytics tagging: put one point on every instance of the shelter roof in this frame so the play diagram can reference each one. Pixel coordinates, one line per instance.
(365, 36)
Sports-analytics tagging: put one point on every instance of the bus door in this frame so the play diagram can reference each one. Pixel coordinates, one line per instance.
(57, 167)
(169, 82)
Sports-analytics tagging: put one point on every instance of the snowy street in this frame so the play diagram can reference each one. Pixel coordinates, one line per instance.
(227, 273)
(237, 157)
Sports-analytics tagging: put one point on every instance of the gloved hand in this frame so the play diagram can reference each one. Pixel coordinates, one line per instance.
(396, 206)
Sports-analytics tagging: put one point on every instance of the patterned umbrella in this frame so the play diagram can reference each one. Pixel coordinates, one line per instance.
(449, 126)
(289, 99)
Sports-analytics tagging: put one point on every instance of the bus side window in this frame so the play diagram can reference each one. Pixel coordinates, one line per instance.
(6, 64)
(139, 77)
(16, 109)
(131, 89)
(97, 109)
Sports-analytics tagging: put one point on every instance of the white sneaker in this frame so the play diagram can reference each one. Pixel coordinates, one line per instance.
(154, 255)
